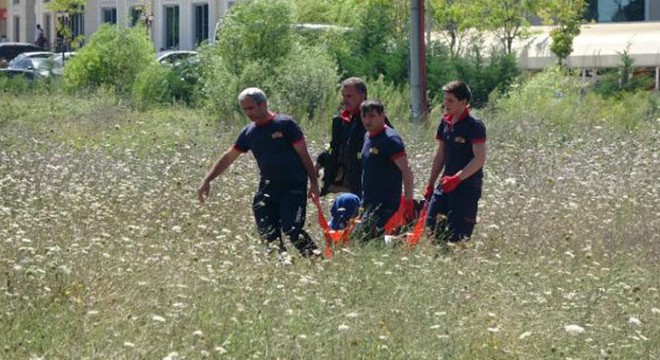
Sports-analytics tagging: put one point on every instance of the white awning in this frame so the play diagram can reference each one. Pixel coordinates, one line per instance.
(597, 46)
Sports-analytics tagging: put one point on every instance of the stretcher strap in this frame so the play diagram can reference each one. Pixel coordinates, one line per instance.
(413, 238)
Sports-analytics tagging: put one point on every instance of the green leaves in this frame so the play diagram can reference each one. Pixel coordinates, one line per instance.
(255, 31)
(114, 57)
(566, 15)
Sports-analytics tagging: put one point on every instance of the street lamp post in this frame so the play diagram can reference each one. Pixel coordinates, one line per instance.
(63, 16)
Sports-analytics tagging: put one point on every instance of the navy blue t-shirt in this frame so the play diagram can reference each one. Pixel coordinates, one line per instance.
(458, 139)
(272, 146)
(381, 178)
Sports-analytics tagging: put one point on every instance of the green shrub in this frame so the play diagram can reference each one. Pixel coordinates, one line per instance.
(256, 30)
(159, 84)
(299, 80)
(558, 100)
(115, 56)
(305, 84)
(615, 81)
(15, 85)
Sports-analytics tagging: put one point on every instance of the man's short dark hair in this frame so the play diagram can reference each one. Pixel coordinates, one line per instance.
(368, 106)
(357, 83)
(460, 89)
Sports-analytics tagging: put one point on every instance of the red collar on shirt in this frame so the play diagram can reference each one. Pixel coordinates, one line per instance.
(347, 115)
(448, 119)
(268, 121)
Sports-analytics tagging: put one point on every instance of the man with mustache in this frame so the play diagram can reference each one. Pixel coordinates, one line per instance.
(278, 145)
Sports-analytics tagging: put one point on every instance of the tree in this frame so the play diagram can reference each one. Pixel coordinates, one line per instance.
(454, 18)
(566, 15)
(506, 19)
(114, 57)
(258, 30)
(66, 8)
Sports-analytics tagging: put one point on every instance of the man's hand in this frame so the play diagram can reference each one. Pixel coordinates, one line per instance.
(449, 183)
(203, 191)
(429, 192)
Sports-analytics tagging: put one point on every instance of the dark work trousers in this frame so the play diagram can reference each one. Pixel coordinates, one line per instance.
(280, 208)
(451, 217)
(372, 221)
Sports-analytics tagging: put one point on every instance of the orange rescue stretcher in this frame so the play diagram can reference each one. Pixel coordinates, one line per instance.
(337, 238)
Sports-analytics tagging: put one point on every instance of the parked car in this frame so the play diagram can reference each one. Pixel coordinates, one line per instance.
(58, 65)
(8, 51)
(21, 60)
(172, 57)
(42, 66)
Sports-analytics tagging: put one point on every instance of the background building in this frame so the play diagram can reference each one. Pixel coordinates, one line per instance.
(21, 20)
(605, 11)
(173, 24)
(4, 15)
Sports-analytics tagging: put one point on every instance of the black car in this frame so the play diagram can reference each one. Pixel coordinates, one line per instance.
(8, 51)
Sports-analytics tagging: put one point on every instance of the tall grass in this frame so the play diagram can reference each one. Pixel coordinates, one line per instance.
(106, 253)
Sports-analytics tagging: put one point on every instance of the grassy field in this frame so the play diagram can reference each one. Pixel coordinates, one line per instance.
(105, 252)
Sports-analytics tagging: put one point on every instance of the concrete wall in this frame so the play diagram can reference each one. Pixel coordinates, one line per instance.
(24, 12)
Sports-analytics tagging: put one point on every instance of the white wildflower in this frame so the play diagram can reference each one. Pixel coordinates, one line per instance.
(343, 327)
(574, 329)
(634, 321)
(171, 356)
(158, 318)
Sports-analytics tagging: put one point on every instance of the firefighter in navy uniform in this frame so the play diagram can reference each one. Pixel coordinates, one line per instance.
(278, 145)
(385, 169)
(461, 152)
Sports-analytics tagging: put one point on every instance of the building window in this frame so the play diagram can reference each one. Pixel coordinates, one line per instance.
(172, 27)
(136, 15)
(616, 10)
(109, 15)
(17, 28)
(201, 23)
(77, 24)
(47, 25)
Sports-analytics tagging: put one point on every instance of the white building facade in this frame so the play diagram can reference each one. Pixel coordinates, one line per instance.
(173, 24)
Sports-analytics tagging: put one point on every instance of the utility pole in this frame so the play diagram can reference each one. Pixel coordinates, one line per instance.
(418, 101)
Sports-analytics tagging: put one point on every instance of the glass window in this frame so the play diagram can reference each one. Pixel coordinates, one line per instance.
(77, 23)
(109, 15)
(616, 10)
(201, 23)
(17, 28)
(171, 27)
(136, 15)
